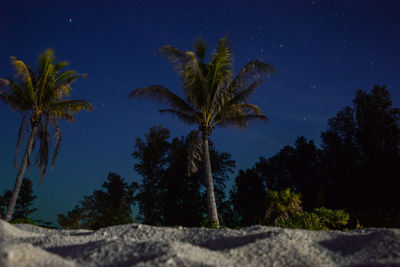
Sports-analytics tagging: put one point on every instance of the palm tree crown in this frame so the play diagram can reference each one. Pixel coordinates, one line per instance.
(212, 96)
(40, 98)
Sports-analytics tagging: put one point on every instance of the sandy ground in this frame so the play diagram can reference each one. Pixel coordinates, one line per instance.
(142, 245)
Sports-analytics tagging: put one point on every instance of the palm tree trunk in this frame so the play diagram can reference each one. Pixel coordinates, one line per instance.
(22, 169)
(212, 207)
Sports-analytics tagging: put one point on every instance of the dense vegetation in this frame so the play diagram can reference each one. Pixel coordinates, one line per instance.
(356, 168)
(302, 186)
(350, 181)
(104, 207)
(24, 205)
(23, 208)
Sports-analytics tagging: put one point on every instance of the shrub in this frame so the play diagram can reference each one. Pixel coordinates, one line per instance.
(282, 205)
(320, 219)
(212, 224)
(23, 221)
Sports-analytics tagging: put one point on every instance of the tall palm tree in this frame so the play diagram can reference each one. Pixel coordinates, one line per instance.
(213, 97)
(40, 98)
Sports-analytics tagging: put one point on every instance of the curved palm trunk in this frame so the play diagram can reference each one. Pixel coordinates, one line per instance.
(212, 207)
(22, 169)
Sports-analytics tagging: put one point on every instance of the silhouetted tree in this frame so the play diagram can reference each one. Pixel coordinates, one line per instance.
(248, 197)
(298, 168)
(24, 203)
(356, 169)
(40, 97)
(182, 201)
(152, 156)
(107, 207)
(72, 219)
(362, 155)
(168, 195)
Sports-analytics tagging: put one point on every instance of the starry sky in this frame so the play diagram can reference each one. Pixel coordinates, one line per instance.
(322, 52)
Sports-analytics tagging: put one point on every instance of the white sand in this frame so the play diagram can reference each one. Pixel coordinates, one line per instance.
(142, 245)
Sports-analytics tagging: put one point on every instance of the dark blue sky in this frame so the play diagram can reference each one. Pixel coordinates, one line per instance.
(322, 52)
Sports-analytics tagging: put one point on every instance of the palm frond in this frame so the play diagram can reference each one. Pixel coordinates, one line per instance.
(219, 74)
(3, 83)
(242, 121)
(4, 96)
(186, 118)
(43, 152)
(33, 147)
(19, 99)
(195, 85)
(239, 109)
(200, 48)
(237, 115)
(45, 59)
(178, 58)
(44, 80)
(251, 108)
(245, 94)
(61, 65)
(23, 128)
(64, 79)
(32, 75)
(23, 72)
(163, 96)
(64, 109)
(220, 67)
(253, 72)
(194, 152)
(57, 135)
(187, 66)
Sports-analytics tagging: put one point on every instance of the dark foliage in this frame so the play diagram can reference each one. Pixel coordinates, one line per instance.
(23, 208)
(298, 168)
(107, 207)
(356, 169)
(362, 158)
(248, 198)
(319, 219)
(152, 156)
(167, 195)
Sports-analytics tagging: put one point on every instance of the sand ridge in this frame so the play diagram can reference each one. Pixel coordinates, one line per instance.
(143, 245)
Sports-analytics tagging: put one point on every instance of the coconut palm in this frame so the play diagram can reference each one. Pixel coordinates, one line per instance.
(213, 97)
(40, 98)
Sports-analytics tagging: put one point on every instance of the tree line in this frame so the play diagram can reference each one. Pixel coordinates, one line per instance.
(349, 181)
(355, 168)
(302, 186)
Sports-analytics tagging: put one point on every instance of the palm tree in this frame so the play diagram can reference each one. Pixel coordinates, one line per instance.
(40, 98)
(212, 98)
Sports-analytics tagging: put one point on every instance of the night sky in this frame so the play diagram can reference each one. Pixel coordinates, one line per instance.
(322, 52)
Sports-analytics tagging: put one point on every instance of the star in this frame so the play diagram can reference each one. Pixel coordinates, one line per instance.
(70, 20)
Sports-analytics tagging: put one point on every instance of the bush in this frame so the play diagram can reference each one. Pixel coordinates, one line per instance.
(23, 221)
(388, 218)
(282, 205)
(320, 219)
(210, 224)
